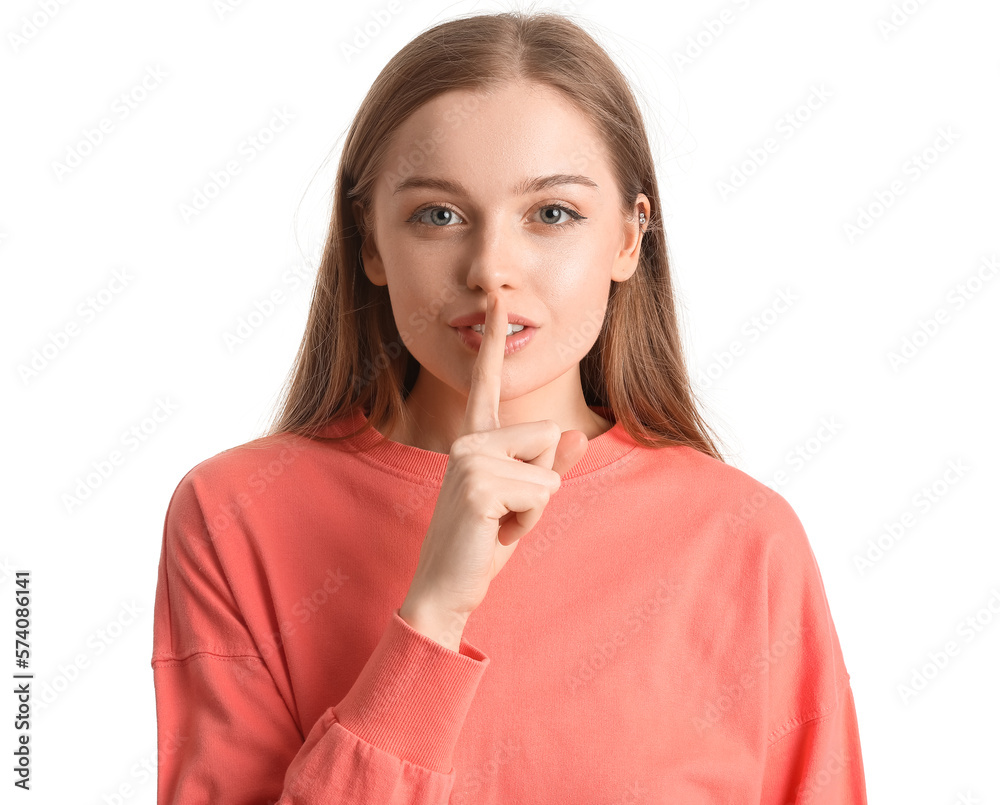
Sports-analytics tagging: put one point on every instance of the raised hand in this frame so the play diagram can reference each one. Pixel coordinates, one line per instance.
(495, 489)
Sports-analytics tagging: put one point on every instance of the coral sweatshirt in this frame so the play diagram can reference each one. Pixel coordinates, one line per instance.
(662, 635)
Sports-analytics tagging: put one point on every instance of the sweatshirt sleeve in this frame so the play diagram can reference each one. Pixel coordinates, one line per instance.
(813, 750)
(818, 762)
(227, 734)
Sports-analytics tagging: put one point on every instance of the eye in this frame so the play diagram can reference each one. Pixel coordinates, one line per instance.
(441, 223)
(419, 214)
(574, 216)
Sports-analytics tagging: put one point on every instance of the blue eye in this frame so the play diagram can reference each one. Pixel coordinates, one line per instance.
(420, 214)
(417, 217)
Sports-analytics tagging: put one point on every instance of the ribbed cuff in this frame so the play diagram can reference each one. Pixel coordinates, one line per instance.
(413, 695)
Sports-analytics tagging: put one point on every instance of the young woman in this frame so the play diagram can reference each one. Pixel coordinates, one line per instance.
(506, 566)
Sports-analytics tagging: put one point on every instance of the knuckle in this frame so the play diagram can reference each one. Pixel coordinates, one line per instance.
(467, 444)
(472, 491)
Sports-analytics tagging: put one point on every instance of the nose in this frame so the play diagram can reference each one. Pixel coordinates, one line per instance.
(494, 260)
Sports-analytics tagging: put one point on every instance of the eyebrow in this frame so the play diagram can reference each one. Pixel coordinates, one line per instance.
(527, 186)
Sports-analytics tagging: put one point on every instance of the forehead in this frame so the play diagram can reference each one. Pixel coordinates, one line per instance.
(500, 135)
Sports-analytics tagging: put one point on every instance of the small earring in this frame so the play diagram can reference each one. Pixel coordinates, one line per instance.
(642, 218)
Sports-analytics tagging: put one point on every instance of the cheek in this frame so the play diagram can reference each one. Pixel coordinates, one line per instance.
(419, 299)
(576, 275)
(581, 251)
(430, 278)
(408, 282)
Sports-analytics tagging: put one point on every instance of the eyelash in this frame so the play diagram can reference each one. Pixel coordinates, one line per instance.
(574, 216)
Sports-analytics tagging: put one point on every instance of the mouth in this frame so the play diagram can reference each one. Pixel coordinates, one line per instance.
(511, 329)
(472, 336)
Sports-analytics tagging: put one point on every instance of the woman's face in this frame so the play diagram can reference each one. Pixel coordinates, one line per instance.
(458, 214)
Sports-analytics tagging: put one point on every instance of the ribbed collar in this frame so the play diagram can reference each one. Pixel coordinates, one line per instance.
(602, 450)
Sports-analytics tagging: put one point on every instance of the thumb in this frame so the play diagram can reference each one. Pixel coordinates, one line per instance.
(571, 448)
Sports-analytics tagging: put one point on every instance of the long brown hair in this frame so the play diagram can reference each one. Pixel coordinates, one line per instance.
(351, 353)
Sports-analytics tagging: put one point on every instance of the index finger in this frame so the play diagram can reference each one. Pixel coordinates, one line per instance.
(482, 412)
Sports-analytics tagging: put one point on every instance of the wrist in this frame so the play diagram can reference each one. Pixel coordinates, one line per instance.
(439, 625)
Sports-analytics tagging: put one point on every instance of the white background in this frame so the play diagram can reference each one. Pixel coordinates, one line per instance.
(891, 430)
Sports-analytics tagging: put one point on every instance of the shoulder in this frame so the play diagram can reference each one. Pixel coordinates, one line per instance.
(724, 512)
(244, 471)
(747, 505)
(766, 538)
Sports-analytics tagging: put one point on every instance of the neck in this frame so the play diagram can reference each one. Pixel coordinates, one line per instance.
(433, 416)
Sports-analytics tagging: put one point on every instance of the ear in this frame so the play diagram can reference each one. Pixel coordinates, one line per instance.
(627, 260)
(373, 266)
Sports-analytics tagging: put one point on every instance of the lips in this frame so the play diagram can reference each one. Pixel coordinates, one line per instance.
(513, 342)
(480, 318)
